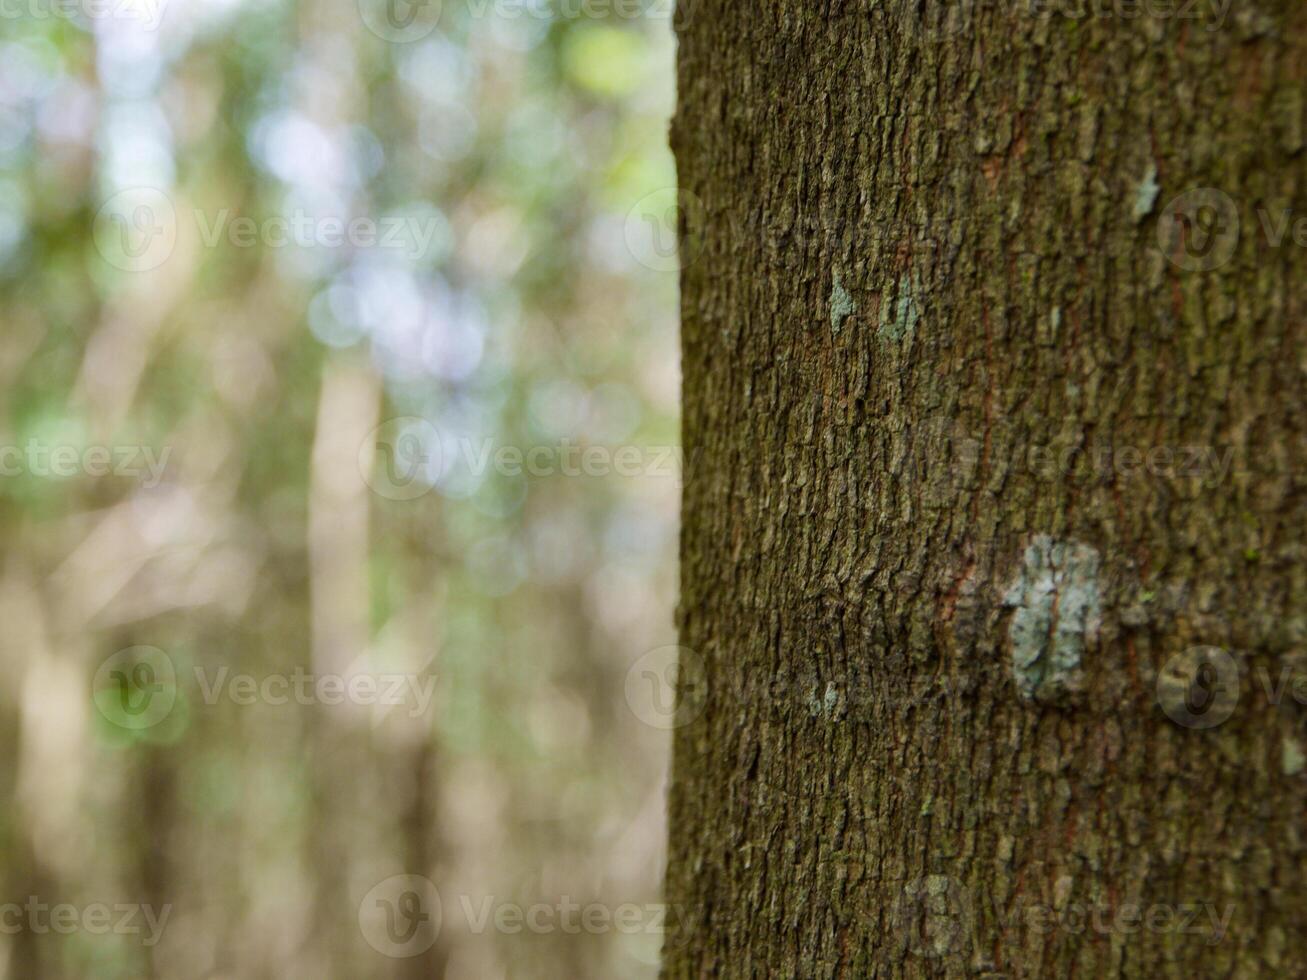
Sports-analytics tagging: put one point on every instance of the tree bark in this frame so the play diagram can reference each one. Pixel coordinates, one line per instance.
(994, 377)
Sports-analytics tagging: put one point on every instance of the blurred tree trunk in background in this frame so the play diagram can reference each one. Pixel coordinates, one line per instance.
(994, 375)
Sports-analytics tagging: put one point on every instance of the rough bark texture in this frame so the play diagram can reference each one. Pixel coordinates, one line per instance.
(941, 325)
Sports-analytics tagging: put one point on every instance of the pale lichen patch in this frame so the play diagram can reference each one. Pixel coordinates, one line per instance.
(1050, 327)
(1146, 195)
(898, 318)
(1057, 612)
(828, 705)
(830, 699)
(1292, 759)
(841, 305)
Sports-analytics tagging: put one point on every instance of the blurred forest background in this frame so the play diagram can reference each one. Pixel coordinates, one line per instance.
(519, 292)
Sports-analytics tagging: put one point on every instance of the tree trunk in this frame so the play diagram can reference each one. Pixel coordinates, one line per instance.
(992, 561)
